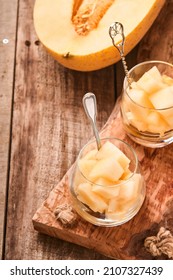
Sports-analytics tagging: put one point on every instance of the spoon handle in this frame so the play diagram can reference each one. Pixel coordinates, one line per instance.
(115, 29)
(90, 106)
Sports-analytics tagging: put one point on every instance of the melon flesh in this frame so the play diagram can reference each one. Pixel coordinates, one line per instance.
(106, 193)
(156, 123)
(91, 154)
(148, 105)
(108, 168)
(105, 186)
(162, 98)
(76, 32)
(109, 149)
(86, 165)
(151, 81)
(129, 189)
(140, 97)
(88, 197)
(167, 80)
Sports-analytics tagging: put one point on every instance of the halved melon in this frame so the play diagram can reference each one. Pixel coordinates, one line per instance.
(76, 32)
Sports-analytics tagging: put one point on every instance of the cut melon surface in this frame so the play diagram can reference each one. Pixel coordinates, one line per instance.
(91, 154)
(156, 123)
(129, 190)
(155, 73)
(167, 80)
(149, 83)
(104, 182)
(140, 97)
(88, 197)
(76, 33)
(106, 193)
(109, 149)
(163, 98)
(113, 206)
(86, 165)
(108, 168)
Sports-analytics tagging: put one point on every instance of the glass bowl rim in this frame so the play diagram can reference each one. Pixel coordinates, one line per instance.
(125, 84)
(105, 139)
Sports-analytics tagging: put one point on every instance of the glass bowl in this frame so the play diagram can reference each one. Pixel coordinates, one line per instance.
(147, 108)
(106, 191)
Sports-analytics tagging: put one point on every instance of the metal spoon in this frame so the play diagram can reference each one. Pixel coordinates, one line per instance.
(115, 29)
(90, 106)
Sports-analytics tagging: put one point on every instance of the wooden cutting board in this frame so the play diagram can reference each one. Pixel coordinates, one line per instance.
(125, 241)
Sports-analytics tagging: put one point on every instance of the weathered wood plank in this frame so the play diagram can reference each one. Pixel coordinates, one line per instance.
(158, 42)
(49, 128)
(8, 21)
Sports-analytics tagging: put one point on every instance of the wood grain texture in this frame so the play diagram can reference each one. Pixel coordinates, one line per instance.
(49, 128)
(8, 21)
(126, 241)
(158, 42)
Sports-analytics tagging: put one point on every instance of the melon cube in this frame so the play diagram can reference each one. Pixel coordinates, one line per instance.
(140, 97)
(151, 81)
(168, 117)
(114, 210)
(154, 118)
(108, 168)
(162, 98)
(113, 205)
(127, 173)
(138, 111)
(125, 205)
(155, 73)
(140, 125)
(105, 191)
(117, 209)
(108, 149)
(133, 119)
(104, 182)
(91, 199)
(134, 85)
(78, 179)
(86, 165)
(129, 190)
(156, 123)
(167, 80)
(91, 154)
(123, 160)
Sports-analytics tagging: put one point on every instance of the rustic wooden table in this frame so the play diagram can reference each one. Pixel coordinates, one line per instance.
(43, 125)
